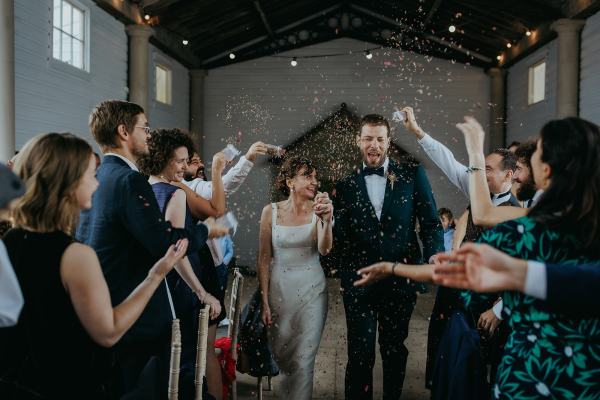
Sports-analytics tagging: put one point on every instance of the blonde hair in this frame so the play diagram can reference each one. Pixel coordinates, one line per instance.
(51, 166)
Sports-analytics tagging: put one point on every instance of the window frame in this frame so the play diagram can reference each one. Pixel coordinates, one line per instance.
(169, 83)
(531, 82)
(58, 62)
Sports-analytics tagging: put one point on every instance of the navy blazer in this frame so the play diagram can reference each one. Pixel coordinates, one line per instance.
(127, 230)
(360, 239)
(573, 290)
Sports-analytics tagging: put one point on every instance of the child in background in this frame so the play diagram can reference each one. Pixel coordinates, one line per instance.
(448, 224)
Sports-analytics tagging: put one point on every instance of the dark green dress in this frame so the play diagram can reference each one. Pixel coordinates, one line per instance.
(547, 355)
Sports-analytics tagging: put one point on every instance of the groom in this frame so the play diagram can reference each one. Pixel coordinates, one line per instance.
(376, 209)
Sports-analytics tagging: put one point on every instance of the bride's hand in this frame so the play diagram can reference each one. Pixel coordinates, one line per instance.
(265, 314)
(323, 206)
(374, 273)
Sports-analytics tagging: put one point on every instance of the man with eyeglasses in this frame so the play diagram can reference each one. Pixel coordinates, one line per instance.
(129, 234)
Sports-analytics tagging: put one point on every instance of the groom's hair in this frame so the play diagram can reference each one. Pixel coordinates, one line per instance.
(374, 120)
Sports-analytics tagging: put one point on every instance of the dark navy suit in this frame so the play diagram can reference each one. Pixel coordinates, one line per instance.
(126, 229)
(361, 240)
(573, 290)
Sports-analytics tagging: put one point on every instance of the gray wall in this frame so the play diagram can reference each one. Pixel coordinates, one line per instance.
(267, 99)
(177, 113)
(525, 121)
(52, 96)
(589, 87)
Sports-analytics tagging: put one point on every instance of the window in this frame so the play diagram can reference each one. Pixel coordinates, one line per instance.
(537, 82)
(163, 84)
(69, 33)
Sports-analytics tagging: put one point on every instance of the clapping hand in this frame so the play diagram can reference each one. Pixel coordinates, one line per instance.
(481, 268)
(215, 229)
(323, 206)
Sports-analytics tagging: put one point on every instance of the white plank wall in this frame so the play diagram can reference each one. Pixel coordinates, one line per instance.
(266, 99)
(54, 97)
(589, 86)
(177, 113)
(525, 121)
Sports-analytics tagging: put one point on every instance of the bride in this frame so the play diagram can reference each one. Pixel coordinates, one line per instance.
(294, 294)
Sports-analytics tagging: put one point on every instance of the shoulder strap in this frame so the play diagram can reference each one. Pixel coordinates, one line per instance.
(274, 214)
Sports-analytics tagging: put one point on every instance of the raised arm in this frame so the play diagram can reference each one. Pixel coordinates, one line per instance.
(460, 230)
(265, 253)
(484, 212)
(85, 284)
(438, 153)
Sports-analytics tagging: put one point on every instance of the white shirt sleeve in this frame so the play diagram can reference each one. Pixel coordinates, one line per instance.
(497, 309)
(11, 298)
(536, 284)
(234, 178)
(444, 159)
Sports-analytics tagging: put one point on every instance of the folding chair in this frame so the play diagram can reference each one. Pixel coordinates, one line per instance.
(201, 348)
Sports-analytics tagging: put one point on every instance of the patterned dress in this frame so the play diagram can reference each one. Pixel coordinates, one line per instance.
(548, 355)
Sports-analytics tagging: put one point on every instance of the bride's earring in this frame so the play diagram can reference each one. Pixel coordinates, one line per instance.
(293, 189)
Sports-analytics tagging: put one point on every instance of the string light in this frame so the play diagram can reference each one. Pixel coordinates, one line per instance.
(231, 56)
(185, 42)
(508, 45)
(499, 57)
(368, 54)
(147, 17)
(452, 28)
(528, 32)
(294, 62)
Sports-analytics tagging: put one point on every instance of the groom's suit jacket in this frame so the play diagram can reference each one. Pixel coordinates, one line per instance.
(360, 239)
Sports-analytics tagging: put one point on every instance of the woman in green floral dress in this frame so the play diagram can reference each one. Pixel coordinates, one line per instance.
(549, 355)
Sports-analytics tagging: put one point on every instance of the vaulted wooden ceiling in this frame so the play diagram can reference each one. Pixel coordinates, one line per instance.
(255, 28)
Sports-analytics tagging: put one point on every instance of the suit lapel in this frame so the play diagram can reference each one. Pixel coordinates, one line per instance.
(363, 194)
(389, 190)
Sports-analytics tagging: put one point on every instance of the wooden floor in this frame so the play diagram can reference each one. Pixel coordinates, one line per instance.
(331, 359)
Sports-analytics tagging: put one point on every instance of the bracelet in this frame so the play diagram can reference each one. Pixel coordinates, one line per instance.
(394, 267)
(473, 169)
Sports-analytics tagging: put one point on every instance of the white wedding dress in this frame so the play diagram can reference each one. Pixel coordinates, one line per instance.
(298, 302)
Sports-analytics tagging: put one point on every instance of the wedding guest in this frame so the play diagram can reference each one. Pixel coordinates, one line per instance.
(197, 282)
(11, 298)
(447, 221)
(376, 209)
(128, 232)
(528, 192)
(564, 227)
(293, 233)
(68, 309)
(565, 289)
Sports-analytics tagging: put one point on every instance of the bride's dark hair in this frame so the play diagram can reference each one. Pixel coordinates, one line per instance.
(291, 168)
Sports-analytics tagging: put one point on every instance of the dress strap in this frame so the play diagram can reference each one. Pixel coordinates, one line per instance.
(274, 214)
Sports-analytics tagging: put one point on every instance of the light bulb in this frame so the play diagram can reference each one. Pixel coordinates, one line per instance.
(452, 28)
(528, 32)
(185, 42)
(508, 45)
(368, 54)
(231, 55)
(294, 62)
(147, 17)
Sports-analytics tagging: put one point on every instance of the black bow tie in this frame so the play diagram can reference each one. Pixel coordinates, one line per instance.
(373, 171)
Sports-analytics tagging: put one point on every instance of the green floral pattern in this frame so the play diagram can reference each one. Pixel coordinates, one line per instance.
(547, 355)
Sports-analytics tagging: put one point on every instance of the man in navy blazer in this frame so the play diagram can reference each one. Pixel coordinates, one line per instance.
(126, 229)
(376, 210)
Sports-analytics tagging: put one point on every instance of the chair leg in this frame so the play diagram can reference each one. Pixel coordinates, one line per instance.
(259, 388)
(269, 385)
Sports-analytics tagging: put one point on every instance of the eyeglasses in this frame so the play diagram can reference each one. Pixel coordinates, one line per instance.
(146, 128)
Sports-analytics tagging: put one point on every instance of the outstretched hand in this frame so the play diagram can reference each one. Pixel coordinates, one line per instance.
(474, 135)
(374, 273)
(215, 229)
(257, 148)
(410, 123)
(481, 268)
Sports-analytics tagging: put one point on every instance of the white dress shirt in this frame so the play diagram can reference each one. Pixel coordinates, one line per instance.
(455, 171)
(232, 180)
(535, 198)
(11, 298)
(376, 188)
(536, 284)
(127, 160)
